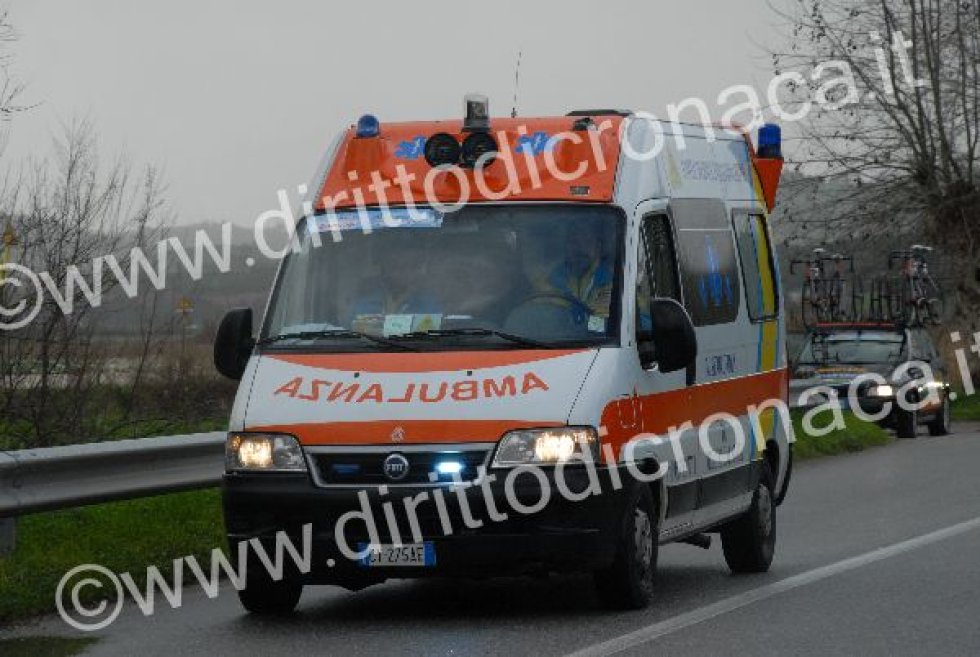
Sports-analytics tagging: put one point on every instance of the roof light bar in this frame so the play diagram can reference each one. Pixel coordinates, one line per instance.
(367, 126)
(476, 109)
(770, 141)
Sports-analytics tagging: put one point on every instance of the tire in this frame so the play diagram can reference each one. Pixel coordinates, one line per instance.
(264, 597)
(629, 582)
(784, 489)
(749, 542)
(942, 424)
(906, 423)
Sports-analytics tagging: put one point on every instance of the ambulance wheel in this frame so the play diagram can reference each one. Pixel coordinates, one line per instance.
(907, 423)
(940, 426)
(628, 583)
(265, 597)
(749, 542)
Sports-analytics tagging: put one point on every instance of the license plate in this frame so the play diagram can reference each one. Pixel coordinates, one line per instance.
(410, 555)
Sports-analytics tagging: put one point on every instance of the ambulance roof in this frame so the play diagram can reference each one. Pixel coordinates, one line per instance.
(531, 154)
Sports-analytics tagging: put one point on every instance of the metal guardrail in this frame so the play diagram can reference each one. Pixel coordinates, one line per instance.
(34, 480)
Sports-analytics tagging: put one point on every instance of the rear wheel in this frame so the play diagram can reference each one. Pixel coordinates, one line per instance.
(940, 426)
(907, 422)
(264, 596)
(749, 542)
(628, 583)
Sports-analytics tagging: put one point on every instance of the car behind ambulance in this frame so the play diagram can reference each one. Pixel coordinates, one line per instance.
(515, 345)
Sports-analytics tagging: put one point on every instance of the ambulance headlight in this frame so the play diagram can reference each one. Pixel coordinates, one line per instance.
(266, 452)
(547, 447)
(883, 390)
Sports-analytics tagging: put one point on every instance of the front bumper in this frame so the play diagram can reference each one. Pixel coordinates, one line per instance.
(564, 535)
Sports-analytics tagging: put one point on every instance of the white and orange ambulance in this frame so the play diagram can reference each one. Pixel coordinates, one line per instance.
(516, 345)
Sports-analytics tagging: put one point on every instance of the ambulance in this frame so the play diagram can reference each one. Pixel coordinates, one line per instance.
(515, 346)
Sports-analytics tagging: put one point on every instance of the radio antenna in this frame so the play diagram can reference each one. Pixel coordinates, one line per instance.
(517, 83)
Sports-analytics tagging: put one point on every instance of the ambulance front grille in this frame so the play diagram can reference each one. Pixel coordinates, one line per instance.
(359, 467)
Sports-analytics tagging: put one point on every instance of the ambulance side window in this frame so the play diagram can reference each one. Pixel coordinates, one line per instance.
(707, 261)
(656, 274)
(755, 253)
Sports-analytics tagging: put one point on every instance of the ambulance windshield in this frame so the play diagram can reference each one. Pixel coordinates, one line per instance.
(487, 276)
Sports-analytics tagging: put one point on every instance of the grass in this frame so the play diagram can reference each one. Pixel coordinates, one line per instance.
(855, 437)
(966, 408)
(44, 646)
(122, 536)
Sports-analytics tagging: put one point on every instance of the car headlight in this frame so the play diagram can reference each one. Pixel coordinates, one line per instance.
(263, 452)
(882, 391)
(547, 446)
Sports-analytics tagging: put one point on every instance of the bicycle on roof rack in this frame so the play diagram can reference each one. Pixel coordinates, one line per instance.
(825, 296)
(918, 298)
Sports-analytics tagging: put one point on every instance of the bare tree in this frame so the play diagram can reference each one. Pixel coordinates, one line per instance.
(68, 212)
(903, 125)
(10, 87)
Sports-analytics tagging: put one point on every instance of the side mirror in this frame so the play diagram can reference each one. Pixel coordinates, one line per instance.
(234, 343)
(671, 341)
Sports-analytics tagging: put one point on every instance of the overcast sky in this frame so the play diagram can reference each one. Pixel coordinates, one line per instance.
(237, 100)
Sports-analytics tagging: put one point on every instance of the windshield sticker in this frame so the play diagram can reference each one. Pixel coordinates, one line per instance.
(597, 324)
(426, 322)
(375, 219)
(397, 325)
(401, 324)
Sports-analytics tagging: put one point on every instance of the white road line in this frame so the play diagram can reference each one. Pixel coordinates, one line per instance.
(665, 627)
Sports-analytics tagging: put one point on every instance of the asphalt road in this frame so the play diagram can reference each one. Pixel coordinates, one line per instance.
(878, 554)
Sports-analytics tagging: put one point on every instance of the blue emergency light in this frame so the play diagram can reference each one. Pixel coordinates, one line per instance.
(368, 126)
(770, 141)
(449, 467)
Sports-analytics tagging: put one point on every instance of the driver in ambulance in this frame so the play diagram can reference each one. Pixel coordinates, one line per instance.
(585, 275)
(570, 280)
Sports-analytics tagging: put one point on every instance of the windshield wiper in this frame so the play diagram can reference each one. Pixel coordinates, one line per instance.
(342, 334)
(478, 332)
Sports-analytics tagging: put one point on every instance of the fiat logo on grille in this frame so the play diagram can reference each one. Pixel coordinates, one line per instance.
(395, 467)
